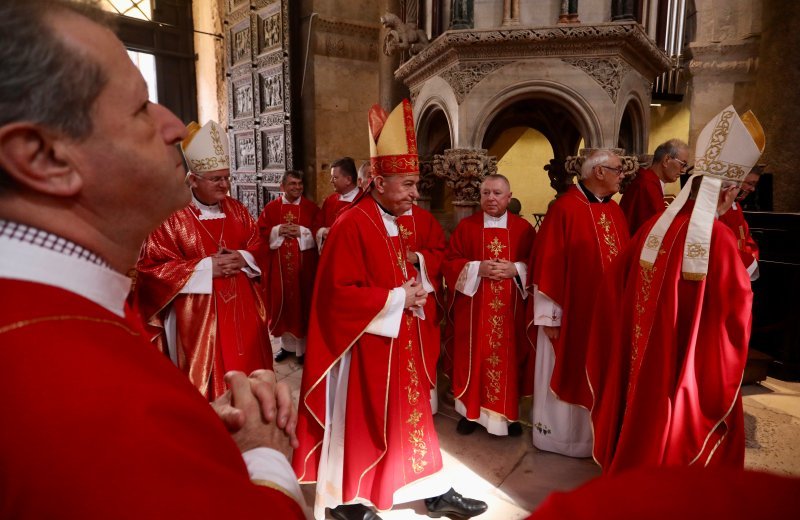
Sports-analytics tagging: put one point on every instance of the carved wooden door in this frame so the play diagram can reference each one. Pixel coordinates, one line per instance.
(259, 101)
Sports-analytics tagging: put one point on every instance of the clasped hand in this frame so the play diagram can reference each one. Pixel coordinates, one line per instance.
(289, 230)
(227, 262)
(416, 296)
(258, 411)
(497, 269)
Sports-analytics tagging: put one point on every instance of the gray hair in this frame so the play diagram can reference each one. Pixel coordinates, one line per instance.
(669, 148)
(596, 158)
(365, 170)
(497, 177)
(45, 80)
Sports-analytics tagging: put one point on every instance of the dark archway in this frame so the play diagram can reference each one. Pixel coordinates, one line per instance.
(433, 138)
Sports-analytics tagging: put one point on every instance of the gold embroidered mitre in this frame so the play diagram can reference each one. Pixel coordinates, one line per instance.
(206, 148)
(393, 143)
(727, 149)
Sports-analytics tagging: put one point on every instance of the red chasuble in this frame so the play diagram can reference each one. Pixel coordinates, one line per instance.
(216, 333)
(575, 245)
(642, 199)
(748, 249)
(423, 234)
(331, 208)
(667, 355)
(103, 426)
(290, 271)
(389, 440)
(491, 352)
(670, 493)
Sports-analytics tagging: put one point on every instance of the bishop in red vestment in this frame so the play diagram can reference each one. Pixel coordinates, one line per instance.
(344, 179)
(486, 273)
(581, 235)
(197, 281)
(733, 217)
(669, 338)
(365, 423)
(289, 261)
(644, 196)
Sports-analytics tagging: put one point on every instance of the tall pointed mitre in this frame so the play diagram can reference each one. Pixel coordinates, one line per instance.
(393, 143)
(727, 148)
(206, 147)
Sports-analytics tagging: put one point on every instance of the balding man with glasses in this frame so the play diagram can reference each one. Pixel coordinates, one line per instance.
(644, 196)
(197, 274)
(582, 233)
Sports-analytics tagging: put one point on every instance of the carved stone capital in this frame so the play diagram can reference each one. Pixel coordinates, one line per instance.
(735, 62)
(607, 72)
(427, 178)
(463, 76)
(463, 170)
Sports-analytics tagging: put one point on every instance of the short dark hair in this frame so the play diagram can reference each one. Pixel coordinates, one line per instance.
(291, 173)
(45, 80)
(348, 166)
(671, 148)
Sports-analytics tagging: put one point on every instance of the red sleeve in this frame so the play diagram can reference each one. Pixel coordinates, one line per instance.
(549, 259)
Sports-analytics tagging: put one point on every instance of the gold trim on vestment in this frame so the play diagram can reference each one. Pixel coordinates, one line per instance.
(66, 317)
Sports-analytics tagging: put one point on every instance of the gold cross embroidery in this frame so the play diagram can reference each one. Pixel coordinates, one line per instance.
(495, 247)
(496, 304)
(604, 222)
(289, 218)
(405, 233)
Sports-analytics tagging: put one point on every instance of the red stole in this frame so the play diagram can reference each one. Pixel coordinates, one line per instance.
(427, 240)
(495, 343)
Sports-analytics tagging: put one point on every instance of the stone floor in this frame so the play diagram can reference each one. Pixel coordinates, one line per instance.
(513, 477)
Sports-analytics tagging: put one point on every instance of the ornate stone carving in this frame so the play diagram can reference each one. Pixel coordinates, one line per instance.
(427, 178)
(463, 77)
(247, 193)
(244, 146)
(463, 170)
(462, 14)
(626, 39)
(607, 72)
(560, 179)
(242, 98)
(273, 150)
(241, 50)
(269, 32)
(271, 90)
(401, 37)
(346, 39)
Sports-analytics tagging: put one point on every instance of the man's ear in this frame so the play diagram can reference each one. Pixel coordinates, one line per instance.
(378, 183)
(38, 159)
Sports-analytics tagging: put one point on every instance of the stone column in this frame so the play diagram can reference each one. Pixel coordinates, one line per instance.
(510, 12)
(390, 91)
(463, 170)
(569, 12)
(622, 10)
(427, 178)
(462, 14)
(776, 99)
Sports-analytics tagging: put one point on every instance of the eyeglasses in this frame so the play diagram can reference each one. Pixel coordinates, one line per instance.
(618, 170)
(217, 179)
(684, 164)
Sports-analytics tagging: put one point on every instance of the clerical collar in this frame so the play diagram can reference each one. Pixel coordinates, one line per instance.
(286, 201)
(349, 196)
(34, 255)
(208, 212)
(593, 199)
(495, 222)
(386, 211)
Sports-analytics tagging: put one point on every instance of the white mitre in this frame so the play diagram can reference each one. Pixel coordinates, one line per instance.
(727, 149)
(206, 148)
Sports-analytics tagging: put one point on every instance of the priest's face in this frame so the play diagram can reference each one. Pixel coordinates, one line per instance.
(210, 187)
(495, 196)
(396, 193)
(292, 188)
(341, 182)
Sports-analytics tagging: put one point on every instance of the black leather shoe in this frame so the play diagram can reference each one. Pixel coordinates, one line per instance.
(282, 355)
(465, 426)
(452, 504)
(514, 429)
(354, 512)
(301, 359)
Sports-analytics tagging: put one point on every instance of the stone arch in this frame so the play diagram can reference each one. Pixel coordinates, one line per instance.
(632, 125)
(546, 92)
(432, 124)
